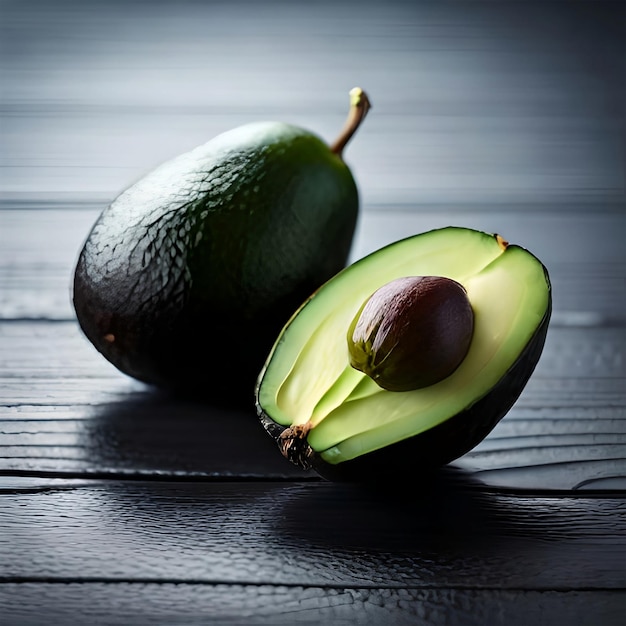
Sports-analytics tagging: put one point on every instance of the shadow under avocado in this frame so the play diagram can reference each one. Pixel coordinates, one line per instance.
(153, 431)
(444, 508)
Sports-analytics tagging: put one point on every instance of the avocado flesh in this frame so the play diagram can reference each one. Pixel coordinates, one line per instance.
(308, 377)
(188, 277)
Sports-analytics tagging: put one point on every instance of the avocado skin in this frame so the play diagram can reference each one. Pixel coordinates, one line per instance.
(426, 452)
(188, 276)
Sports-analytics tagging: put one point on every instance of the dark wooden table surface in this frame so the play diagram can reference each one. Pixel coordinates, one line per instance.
(121, 505)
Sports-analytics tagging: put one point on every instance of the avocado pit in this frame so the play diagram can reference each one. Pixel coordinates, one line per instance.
(412, 332)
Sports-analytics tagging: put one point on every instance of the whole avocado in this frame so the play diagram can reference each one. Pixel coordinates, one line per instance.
(186, 279)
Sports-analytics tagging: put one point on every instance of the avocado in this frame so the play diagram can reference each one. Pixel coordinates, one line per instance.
(186, 279)
(327, 415)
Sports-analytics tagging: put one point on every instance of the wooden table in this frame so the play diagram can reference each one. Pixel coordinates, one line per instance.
(122, 505)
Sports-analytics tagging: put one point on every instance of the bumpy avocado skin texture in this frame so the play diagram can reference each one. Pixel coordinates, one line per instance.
(187, 277)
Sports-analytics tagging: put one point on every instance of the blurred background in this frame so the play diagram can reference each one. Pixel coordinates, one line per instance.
(478, 101)
(507, 116)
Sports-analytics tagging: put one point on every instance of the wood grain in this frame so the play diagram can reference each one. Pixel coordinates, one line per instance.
(249, 605)
(121, 505)
(441, 534)
(583, 252)
(66, 410)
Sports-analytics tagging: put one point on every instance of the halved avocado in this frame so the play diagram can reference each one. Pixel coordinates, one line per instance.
(327, 415)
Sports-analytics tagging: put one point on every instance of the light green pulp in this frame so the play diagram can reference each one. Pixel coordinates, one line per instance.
(308, 376)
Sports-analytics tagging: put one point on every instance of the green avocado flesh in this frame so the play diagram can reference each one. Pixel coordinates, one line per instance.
(307, 377)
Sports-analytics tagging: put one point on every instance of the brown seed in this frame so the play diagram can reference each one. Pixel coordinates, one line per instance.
(412, 332)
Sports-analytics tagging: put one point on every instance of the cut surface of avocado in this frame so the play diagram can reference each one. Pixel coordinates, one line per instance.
(307, 378)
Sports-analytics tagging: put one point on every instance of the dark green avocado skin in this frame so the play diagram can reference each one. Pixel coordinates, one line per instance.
(186, 279)
(423, 454)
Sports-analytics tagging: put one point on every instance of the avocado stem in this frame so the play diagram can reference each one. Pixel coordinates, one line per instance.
(359, 106)
(294, 446)
(503, 243)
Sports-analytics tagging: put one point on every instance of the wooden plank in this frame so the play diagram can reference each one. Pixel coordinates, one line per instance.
(88, 417)
(39, 248)
(151, 604)
(582, 363)
(446, 534)
(65, 410)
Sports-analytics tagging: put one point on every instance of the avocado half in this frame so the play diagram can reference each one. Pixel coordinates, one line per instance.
(328, 416)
